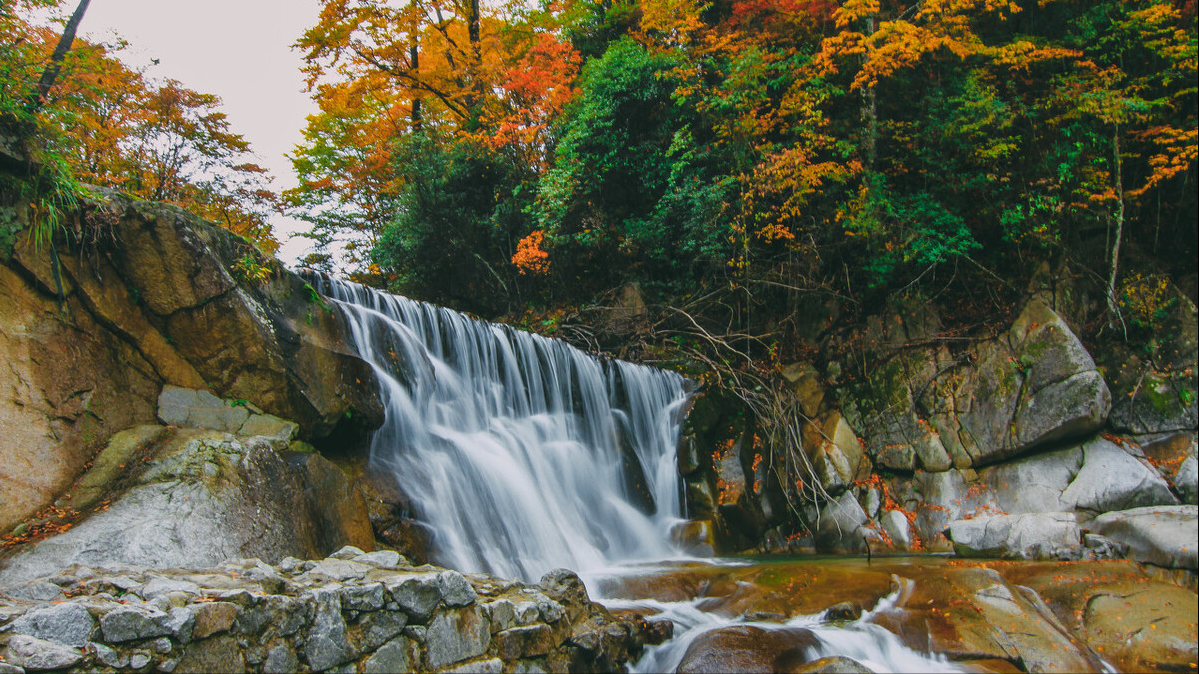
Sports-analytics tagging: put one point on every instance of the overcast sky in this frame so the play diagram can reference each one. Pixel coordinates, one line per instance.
(236, 49)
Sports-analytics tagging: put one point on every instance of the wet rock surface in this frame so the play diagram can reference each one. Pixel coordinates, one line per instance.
(746, 648)
(353, 611)
(989, 616)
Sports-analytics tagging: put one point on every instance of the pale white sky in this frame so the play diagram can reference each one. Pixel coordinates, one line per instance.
(236, 49)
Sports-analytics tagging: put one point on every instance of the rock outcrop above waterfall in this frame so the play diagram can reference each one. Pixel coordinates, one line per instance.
(156, 297)
(352, 611)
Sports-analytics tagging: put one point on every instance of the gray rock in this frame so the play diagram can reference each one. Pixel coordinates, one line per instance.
(549, 610)
(129, 623)
(526, 612)
(1064, 409)
(383, 559)
(1163, 535)
(326, 645)
(416, 594)
(948, 496)
(37, 591)
(66, 624)
(1186, 480)
(564, 586)
(501, 613)
(528, 667)
(339, 569)
(347, 552)
(839, 520)
(456, 635)
(1028, 536)
(524, 642)
(1159, 402)
(212, 618)
(279, 432)
(1035, 385)
(158, 585)
(177, 516)
(139, 659)
(1174, 458)
(489, 666)
(218, 654)
(36, 654)
(108, 657)
(897, 527)
(871, 501)
(1034, 484)
(362, 597)
(1111, 479)
(832, 469)
(1102, 547)
(377, 628)
(199, 409)
(281, 659)
(396, 655)
(292, 614)
(455, 589)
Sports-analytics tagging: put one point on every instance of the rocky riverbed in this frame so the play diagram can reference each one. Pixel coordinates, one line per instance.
(769, 615)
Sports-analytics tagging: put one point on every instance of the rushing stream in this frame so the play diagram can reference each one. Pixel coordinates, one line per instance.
(524, 454)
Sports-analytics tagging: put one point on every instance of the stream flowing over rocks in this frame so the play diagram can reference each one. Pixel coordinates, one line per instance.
(210, 463)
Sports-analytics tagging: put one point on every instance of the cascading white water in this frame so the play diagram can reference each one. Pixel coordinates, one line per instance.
(522, 453)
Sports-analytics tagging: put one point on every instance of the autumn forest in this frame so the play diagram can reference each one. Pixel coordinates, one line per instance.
(745, 162)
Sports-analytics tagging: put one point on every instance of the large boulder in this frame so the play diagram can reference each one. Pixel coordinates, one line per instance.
(1036, 385)
(163, 299)
(273, 341)
(1163, 536)
(840, 522)
(67, 384)
(1030, 536)
(1034, 484)
(929, 409)
(161, 497)
(1113, 479)
(946, 497)
(748, 648)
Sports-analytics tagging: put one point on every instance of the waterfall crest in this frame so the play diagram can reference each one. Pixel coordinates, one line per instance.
(522, 453)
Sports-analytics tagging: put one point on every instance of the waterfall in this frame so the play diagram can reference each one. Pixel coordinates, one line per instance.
(522, 453)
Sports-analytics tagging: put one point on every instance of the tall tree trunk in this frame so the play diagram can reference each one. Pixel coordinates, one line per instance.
(870, 112)
(473, 21)
(414, 66)
(60, 52)
(472, 28)
(1111, 281)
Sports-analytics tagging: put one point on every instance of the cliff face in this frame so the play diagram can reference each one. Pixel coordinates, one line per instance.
(1026, 444)
(152, 296)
